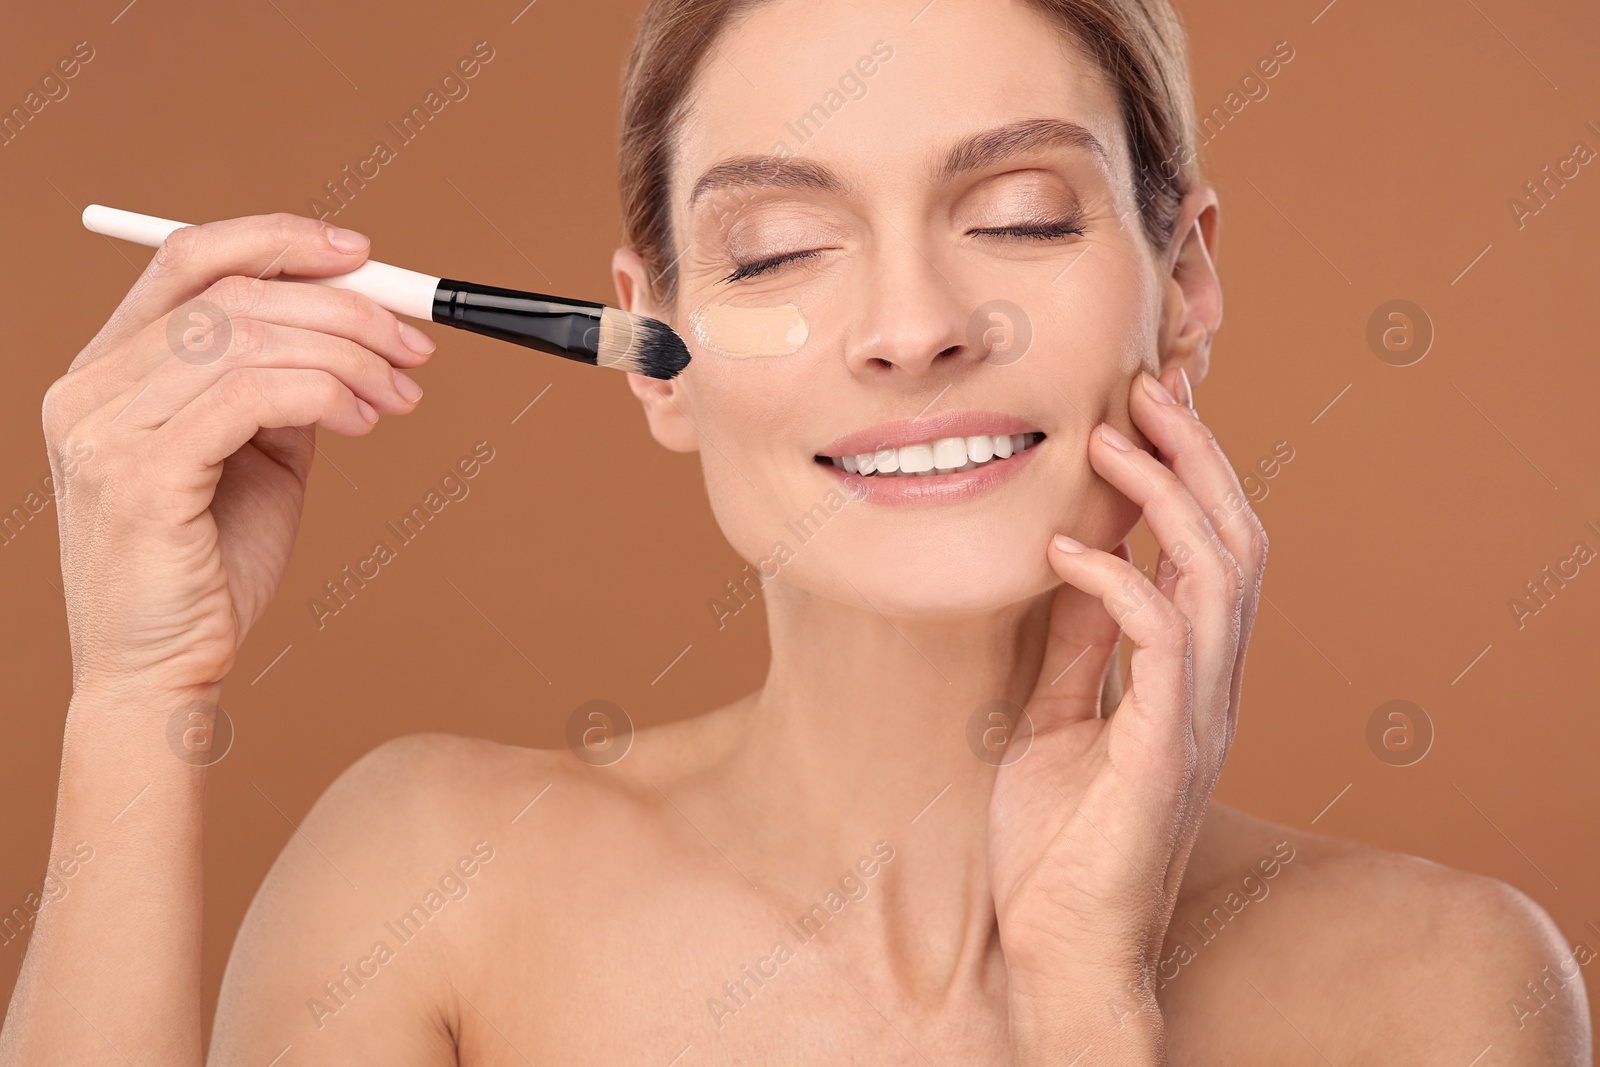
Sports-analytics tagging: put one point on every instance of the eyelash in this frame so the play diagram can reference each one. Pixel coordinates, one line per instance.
(1037, 231)
(750, 270)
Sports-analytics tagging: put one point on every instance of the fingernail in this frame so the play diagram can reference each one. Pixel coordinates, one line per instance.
(346, 240)
(1185, 391)
(415, 339)
(1067, 544)
(1112, 437)
(407, 387)
(368, 412)
(1157, 391)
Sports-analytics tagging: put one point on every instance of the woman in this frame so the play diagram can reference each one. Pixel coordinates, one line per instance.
(874, 858)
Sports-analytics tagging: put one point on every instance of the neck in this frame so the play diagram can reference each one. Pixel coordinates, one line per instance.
(860, 735)
(871, 711)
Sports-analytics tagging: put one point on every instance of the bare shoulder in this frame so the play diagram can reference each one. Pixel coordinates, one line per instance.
(558, 823)
(418, 799)
(384, 899)
(419, 796)
(441, 780)
(446, 784)
(1337, 949)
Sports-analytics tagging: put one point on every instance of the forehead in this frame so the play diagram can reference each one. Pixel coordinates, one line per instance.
(881, 89)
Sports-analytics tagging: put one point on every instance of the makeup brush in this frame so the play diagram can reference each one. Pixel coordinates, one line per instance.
(580, 330)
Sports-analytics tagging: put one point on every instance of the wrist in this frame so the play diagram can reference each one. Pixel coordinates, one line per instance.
(150, 730)
(1041, 972)
(136, 696)
(142, 751)
(1114, 1013)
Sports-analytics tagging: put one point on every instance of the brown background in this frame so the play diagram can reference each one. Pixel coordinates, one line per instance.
(1379, 167)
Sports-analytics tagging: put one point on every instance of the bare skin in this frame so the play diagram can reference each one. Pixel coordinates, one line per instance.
(640, 921)
(1084, 903)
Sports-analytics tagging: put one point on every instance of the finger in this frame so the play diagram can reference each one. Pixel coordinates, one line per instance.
(191, 258)
(1134, 824)
(220, 421)
(1190, 449)
(1207, 586)
(253, 344)
(1152, 729)
(1165, 575)
(207, 330)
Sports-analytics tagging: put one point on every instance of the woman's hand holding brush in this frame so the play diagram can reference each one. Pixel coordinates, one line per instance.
(180, 442)
(199, 402)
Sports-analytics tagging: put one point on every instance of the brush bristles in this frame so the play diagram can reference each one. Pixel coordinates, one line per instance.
(640, 344)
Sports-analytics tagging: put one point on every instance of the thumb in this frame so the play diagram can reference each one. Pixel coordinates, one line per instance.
(1078, 649)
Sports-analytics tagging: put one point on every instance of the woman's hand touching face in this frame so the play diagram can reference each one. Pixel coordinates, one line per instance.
(1091, 830)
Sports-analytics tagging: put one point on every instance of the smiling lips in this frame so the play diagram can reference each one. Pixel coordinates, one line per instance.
(947, 455)
(946, 444)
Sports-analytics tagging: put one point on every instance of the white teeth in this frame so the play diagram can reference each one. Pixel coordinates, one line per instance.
(947, 455)
(914, 459)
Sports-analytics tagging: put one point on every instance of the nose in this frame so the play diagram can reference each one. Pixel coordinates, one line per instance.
(911, 322)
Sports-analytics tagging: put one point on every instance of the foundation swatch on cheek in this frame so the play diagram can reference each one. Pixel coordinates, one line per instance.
(743, 332)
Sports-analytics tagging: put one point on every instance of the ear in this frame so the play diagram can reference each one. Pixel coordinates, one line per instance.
(1192, 310)
(663, 402)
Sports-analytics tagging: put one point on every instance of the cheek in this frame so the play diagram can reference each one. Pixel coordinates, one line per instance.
(739, 332)
(755, 417)
(1093, 324)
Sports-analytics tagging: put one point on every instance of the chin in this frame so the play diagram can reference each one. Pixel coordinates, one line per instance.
(976, 571)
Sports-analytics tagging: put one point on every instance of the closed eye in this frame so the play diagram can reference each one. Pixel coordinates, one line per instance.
(750, 270)
(1038, 231)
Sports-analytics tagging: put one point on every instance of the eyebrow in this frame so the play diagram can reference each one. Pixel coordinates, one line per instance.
(772, 172)
(980, 150)
(1018, 138)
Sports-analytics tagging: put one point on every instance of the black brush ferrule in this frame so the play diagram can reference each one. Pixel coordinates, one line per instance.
(557, 325)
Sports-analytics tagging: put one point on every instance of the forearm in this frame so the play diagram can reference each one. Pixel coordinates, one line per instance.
(112, 971)
(1114, 1022)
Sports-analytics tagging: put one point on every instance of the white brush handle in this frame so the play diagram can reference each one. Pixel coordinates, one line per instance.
(405, 292)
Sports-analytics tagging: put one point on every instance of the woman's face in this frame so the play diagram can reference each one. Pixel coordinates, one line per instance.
(897, 224)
